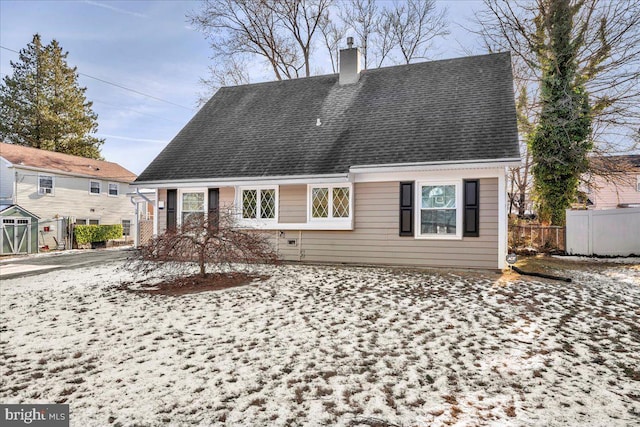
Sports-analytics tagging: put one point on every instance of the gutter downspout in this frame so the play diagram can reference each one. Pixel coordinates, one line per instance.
(15, 188)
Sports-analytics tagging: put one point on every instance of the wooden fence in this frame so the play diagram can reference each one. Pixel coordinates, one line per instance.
(537, 237)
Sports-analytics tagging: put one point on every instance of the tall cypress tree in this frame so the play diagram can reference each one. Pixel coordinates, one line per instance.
(42, 105)
(561, 140)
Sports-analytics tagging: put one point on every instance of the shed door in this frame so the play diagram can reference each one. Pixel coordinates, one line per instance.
(16, 235)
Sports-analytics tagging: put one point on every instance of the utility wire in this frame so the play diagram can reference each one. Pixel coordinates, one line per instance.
(120, 86)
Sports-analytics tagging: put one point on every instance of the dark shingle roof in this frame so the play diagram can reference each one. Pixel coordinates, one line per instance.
(450, 110)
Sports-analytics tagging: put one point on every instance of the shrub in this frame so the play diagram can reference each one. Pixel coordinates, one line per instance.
(97, 233)
(206, 240)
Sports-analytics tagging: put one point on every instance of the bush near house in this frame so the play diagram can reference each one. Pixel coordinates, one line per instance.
(85, 234)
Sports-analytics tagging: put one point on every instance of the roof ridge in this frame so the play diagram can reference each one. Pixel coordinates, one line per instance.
(366, 70)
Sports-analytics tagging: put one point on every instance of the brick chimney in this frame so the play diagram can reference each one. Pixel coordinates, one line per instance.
(349, 64)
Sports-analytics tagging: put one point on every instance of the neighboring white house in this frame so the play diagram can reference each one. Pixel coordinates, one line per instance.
(61, 188)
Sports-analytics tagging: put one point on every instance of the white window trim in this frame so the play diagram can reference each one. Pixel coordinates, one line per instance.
(253, 222)
(53, 185)
(117, 189)
(459, 210)
(638, 183)
(190, 190)
(99, 187)
(130, 227)
(330, 221)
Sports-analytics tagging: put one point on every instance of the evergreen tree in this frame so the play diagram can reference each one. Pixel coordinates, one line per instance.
(561, 141)
(42, 105)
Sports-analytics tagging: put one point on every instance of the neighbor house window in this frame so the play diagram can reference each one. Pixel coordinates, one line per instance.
(192, 204)
(81, 222)
(113, 189)
(439, 213)
(638, 183)
(126, 227)
(94, 187)
(94, 222)
(45, 184)
(330, 201)
(259, 203)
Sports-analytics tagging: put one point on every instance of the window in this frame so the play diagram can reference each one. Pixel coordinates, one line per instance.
(81, 222)
(126, 227)
(259, 203)
(45, 184)
(638, 183)
(94, 222)
(439, 215)
(94, 187)
(192, 204)
(330, 202)
(113, 189)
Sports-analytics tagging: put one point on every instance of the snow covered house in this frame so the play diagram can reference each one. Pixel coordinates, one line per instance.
(59, 187)
(402, 165)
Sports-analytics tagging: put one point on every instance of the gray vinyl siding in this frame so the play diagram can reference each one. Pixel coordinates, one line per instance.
(375, 239)
(293, 204)
(227, 197)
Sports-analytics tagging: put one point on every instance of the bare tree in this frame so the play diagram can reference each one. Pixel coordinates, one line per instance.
(214, 239)
(608, 57)
(363, 17)
(301, 18)
(279, 31)
(231, 73)
(414, 24)
(332, 35)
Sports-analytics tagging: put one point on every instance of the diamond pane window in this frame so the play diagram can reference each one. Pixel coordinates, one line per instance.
(341, 202)
(268, 204)
(330, 202)
(249, 203)
(320, 203)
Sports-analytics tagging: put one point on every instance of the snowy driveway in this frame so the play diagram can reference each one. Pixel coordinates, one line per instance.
(325, 345)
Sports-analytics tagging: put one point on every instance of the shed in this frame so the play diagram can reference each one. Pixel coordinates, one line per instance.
(18, 230)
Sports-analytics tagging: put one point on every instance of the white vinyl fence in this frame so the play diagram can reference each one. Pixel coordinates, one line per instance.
(611, 232)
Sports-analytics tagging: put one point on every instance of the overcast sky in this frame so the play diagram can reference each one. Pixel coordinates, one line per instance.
(147, 46)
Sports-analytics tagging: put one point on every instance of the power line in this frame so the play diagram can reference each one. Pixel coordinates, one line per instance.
(120, 86)
(120, 107)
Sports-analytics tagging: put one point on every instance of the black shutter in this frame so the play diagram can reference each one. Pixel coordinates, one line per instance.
(214, 205)
(406, 208)
(172, 208)
(471, 208)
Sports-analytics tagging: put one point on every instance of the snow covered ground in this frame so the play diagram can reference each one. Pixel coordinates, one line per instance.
(317, 345)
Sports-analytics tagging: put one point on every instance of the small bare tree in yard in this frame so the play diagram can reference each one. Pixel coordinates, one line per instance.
(214, 239)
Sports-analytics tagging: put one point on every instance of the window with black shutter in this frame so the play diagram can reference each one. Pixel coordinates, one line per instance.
(471, 208)
(406, 208)
(172, 208)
